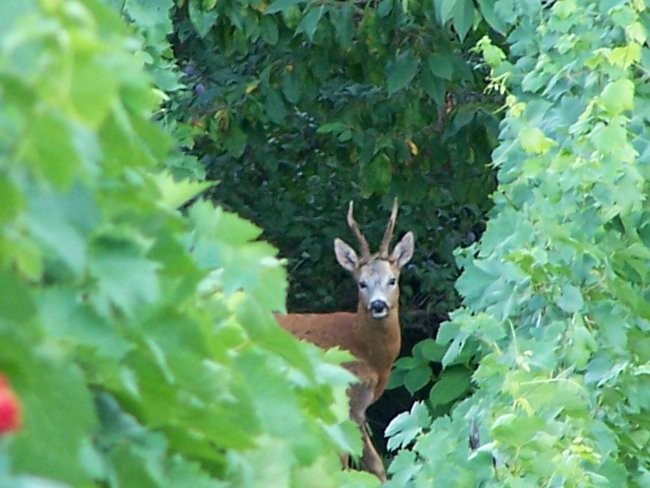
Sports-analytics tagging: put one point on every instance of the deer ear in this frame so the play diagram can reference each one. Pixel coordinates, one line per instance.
(345, 255)
(403, 251)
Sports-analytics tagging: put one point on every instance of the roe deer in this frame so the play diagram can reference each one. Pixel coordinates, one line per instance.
(372, 334)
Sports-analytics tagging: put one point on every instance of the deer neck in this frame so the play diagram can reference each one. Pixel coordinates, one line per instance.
(381, 338)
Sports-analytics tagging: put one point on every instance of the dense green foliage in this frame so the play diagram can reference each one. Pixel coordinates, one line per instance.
(556, 294)
(139, 342)
(297, 108)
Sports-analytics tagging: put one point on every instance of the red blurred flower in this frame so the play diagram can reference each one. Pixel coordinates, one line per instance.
(9, 408)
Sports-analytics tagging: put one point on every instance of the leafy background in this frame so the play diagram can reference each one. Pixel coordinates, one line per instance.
(139, 338)
(555, 294)
(297, 108)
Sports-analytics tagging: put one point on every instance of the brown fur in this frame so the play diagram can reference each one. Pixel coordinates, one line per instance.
(376, 343)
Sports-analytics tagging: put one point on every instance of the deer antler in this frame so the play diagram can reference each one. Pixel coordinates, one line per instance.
(354, 227)
(388, 234)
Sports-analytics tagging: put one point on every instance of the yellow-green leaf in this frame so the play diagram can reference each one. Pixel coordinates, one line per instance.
(533, 141)
(618, 96)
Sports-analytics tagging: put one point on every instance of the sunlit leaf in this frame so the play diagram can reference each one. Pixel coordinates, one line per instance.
(534, 141)
(618, 96)
(403, 428)
(124, 277)
(516, 430)
(175, 193)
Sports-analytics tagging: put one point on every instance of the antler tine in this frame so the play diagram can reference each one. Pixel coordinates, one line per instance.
(388, 234)
(354, 227)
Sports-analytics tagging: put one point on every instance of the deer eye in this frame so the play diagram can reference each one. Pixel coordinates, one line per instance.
(363, 285)
(392, 282)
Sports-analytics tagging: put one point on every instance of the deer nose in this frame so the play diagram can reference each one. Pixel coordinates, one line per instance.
(378, 306)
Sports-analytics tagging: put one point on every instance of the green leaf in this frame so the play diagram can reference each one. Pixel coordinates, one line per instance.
(564, 8)
(396, 378)
(346, 436)
(269, 31)
(610, 138)
(150, 12)
(309, 22)
(291, 86)
(618, 96)
(94, 90)
(136, 454)
(332, 127)
(474, 282)
(454, 350)
(488, 328)
(429, 349)
(47, 388)
(434, 86)
(384, 8)
(446, 8)
(65, 321)
(487, 11)
(16, 302)
(570, 300)
(407, 363)
(266, 281)
(516, 431)
(202, 19)
(275, 107)
(281, 5)
(175, 193)
(583, 344)
(401, 72)
(376, 175)
(343, 21)
(61, 222)
(417, 378)
(404, 466)
(11, 199)
(216, 224)
(234, 140)
(50, 151)
(125, 278)
(27, 257)
(534, 141)
(453, 383)
(493, 55)
(277, 406)
(441, 66)
(407, 425)
(463, 16)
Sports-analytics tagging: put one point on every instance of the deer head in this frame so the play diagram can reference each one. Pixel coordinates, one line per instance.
(377, 275)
